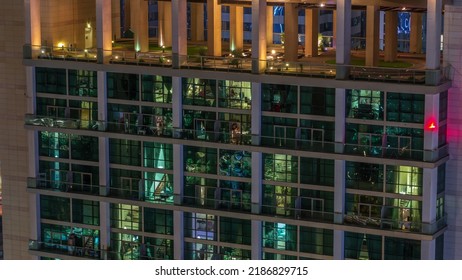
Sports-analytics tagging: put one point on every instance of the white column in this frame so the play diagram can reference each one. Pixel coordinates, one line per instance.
(434, 19)
(428, 249)
(33, 161)
(178, 238)
(104, 180)
(343, 37)
(257, 175)
(179, 32)
(104, 30)
(431, 119)
(340, 111)
(259, 10)
(213, 28)
(416, 33)
(257, 237)
(164, 11)
(256, 113)
(339, 206)
(381, 30)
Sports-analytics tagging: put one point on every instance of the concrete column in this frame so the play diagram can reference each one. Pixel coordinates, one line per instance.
(416, 33)
(259, 10)
(311, 32)
(178, 240)
(213, 28)
(164, 10)
(339, 244)
(431, 122)
(179, 32)
(104, 178)
(434, 19)
(381, 31)
(257, 237)
(290, 32)
(104, 30)
(269, 25)
(116, 17)
(139, 21)
(177, 122)
(127, 16)
(256, 110)
(372, 35)
(391, 37)
(334, 28)
(428, 249)
(177, 101)
(343, 38)
(197, 22)
(32, 23)
(430, 181)
(236, 28)
(340, 115)
(339, 206)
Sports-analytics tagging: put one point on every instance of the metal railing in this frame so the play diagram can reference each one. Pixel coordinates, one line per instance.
(229, 63)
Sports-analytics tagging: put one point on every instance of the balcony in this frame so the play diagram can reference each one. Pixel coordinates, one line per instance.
(322, 66)
(242, 139)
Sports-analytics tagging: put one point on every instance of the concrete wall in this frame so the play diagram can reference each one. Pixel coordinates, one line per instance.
(452, 54)
(13, 142)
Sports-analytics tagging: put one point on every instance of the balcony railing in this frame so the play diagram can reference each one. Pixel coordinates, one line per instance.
(272, 66)
(231, 204)
(298, 213)
(241, 139)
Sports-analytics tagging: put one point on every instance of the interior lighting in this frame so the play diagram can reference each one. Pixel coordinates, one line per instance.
(273, 52)
(322, 5)
(403, 9)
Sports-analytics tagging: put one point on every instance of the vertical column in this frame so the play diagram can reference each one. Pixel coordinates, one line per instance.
(164, 10)
(116, 18)
(269, 25)
(372, 35)
(259, 10)
(416, 33)
(236, 27)
(213, 28)
(197, 22)
(311, 32)
(104, 180)
(334, 28)
(127, 16)
(434, 18)
(257, 171)
(340, 113)
(139, 21)
(32, 26)
(343, 38)
(290, 32)
(339, 206)
(33, 161)
(104, 30)
(431, 125)
(391, 38)
(178, 175)
(381, 30)
(179, 32)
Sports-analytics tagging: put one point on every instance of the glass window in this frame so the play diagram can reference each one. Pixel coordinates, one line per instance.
(236, 231)
(233, 128)
(279, 200)
(126, 184)
(443, 106)
(50, 80)
(123, 118)
(52, 107)
(406, 180)
(54, 144)
(125, 246)
(201, 92)
(125, 216)
(55, 208)
(360, 246)
(402, 249)
(123, 86)
(158, 155)
(441, 178)
(156, 88)
(158, 187)
(280, 167)
(279, 236)
(364, 176)
(278, 132)
(365, 104)
(317, 241)
(200, 125)
(235, 94)
(84, 147)
(235, 163)
(159, 248)
(403, 107)
(158, 221)
(200, 160)
(83, 83)
(126, 152)
(317, 101)
(85, 212)
(200, 226)
(154, 121)
(317, 171)
(279, 98)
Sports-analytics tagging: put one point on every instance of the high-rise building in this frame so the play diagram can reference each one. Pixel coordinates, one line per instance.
(310, 143)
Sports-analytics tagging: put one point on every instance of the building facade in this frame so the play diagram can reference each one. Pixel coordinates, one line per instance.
(141, 149)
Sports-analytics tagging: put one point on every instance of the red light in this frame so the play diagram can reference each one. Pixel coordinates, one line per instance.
(432, 125)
